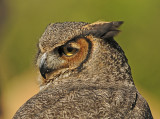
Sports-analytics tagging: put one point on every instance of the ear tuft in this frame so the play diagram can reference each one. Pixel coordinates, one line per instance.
(102, 29)
(117, 23)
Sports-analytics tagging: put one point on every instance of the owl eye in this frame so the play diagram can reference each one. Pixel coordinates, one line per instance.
(69, 51)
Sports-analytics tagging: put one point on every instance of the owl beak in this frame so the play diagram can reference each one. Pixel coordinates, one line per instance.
(43, 66)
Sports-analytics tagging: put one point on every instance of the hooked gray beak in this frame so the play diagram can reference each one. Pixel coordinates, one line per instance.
(43, 66)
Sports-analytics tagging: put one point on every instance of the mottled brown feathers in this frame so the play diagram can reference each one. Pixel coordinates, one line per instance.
(84, 74)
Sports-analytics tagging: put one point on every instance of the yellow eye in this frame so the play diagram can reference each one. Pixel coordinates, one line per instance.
(69, 51)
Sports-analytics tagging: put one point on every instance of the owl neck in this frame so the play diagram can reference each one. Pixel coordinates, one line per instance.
(107, 64)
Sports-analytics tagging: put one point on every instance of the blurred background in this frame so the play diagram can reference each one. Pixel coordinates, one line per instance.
(23, 22)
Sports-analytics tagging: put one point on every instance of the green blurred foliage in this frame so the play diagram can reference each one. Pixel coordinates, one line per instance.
(139, 38)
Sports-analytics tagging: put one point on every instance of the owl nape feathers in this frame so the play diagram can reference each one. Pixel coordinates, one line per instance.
(84, 74)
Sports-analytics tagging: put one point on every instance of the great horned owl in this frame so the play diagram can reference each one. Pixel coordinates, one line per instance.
(84, 74)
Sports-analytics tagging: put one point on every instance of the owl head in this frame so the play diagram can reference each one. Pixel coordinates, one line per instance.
(79, 51)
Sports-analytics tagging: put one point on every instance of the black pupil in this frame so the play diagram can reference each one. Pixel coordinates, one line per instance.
(69, 49)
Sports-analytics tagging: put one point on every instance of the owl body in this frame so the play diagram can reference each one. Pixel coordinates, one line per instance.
(84, 74)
